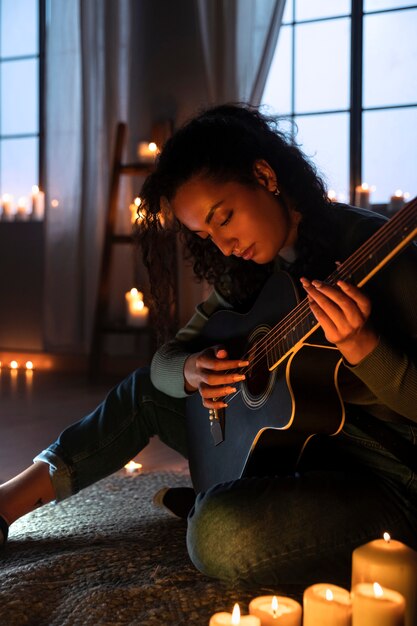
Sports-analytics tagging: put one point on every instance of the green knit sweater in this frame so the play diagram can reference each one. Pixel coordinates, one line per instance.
(385, 382)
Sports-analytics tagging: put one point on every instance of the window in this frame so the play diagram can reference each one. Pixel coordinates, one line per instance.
(20, 97)
(354, 104)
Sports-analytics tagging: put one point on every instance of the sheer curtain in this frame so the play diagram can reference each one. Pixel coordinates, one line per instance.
(238, 39)
(87, 87)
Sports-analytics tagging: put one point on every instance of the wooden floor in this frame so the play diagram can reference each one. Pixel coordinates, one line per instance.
(36, 406)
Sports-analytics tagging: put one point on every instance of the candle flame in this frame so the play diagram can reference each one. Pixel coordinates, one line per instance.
(137, 305)
(329, 595)
(365, 186)
(133, 467)
(378, 591)
(387, 537)
(29, 365)
(274, 606)
(137, 201)
(152, 147)
(398, 193)
(331, 194)
(236, 614)
(14, 365)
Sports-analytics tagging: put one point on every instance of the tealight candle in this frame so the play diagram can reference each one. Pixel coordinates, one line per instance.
(373, 605)
(276, 611)
(363, 196)
(234, 619)
(327, 605)
(393, 565)
(147, 152)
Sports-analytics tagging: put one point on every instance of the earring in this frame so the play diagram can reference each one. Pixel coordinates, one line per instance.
(276, 192)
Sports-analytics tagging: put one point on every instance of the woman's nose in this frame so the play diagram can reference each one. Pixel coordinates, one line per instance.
(226, 245)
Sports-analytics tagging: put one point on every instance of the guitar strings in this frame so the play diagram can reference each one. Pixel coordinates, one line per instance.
(345, 270)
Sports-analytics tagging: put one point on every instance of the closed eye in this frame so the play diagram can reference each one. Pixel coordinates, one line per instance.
(228, 218)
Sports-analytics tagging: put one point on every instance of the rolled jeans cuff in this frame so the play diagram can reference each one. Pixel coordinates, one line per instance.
(59, 472)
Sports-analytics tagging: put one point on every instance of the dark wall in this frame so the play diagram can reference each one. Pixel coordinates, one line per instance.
(21, 284)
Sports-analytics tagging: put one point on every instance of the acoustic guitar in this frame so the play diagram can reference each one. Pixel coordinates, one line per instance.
(290, 393)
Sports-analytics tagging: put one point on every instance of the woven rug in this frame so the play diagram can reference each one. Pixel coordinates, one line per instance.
(107, 556)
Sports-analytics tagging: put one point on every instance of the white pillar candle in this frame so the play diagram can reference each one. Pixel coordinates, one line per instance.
(6, 204)
(396, 202)
(363, 196)
(393, 565)
(327, 605)
(234, 619)
(38, 203)
(137, 312)
(276, 611)
(22, 210)
(373, 605)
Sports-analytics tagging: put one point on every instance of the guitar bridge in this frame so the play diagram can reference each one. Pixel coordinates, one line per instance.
(216, 417)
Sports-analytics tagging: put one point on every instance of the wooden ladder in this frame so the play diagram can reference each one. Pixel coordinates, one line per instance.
(101, 327)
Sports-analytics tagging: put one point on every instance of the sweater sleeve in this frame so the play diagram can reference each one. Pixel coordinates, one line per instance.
(390, 370)
(167, 367)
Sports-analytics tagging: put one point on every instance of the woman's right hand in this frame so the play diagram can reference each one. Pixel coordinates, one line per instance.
(213, 375)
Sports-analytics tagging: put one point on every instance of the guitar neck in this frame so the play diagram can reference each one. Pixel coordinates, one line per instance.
(358, 269)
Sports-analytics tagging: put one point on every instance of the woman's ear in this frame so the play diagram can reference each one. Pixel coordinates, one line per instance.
(265, 175)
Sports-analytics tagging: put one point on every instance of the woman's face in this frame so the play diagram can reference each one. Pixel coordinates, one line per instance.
(247, 221)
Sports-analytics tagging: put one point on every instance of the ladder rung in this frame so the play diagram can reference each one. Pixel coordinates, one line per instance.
(136, 168)
(122, 238)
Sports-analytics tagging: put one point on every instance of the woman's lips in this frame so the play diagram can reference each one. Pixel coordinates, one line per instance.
(248, 253)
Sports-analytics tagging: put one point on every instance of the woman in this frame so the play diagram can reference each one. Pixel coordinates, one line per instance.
(247, 204)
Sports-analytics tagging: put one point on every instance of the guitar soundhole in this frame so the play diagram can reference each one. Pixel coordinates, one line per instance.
(259, 380)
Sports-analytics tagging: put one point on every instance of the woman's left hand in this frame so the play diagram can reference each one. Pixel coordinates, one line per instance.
(343, 312)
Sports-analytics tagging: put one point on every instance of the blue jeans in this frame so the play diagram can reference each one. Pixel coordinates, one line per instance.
(268, 531)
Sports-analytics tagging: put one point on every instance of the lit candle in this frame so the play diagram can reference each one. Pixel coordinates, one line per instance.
(134, 210)
(393, 565)
(363, 196)
(137, 312)
(396, 202)
(38, 203)
(147, 152)
(133, 468)
(6, 204)
(276, 610)
(22, 210)
(14, 366)
(234, 619)
(327, 605)
(29, 378)
(373, 605)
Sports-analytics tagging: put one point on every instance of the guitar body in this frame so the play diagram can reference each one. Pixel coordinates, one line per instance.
(268, 423)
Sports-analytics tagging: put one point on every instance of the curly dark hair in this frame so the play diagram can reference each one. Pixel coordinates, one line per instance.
(223, 144)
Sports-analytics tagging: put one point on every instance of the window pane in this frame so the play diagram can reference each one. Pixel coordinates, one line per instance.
(313, 9)
(376, 5)
(277, 93)
(322, 62)
(19, 27)
(19, 97)
(390, 152)
(288, 12)
(325, 140)
(390, 56)
(19, 166)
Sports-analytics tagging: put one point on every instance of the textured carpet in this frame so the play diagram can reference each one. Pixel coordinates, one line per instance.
(107, 556)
